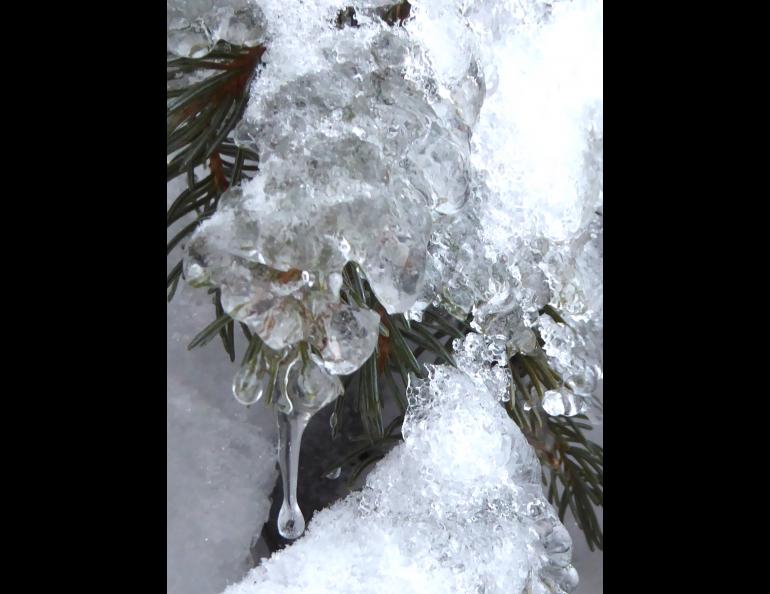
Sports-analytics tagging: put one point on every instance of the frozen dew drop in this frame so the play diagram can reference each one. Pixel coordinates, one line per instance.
(249, 382)
(553, 403)
(560, 402)
(351, 335)
(291, 522)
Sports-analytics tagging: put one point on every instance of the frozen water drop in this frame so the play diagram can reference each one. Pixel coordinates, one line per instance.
(291, 522)
(558, 540)
(334, 474)
(560, 402)
(524, 341)
(248, 386)
(188, 34)
(553, 403)
(569, 578)
(244, 137)
(351, 335)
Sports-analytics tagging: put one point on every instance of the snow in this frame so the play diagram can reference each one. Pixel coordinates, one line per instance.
(459, 161)
(458, 507)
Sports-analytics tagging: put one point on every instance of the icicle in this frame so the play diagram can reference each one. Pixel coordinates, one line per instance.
(291, 523)
(304, 389)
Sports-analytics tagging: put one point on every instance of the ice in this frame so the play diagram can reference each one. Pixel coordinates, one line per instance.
(351, 171)
(306, 389)
(444, 187)
(458, 507)
(252, 380)
(561, 401)
(574, 351)
(531, 234)
(457, 160)
(334, 474)
(351, 335)
(195, 26)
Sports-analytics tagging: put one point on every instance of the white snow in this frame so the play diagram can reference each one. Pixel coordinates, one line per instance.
(458, 507)
(492, 111)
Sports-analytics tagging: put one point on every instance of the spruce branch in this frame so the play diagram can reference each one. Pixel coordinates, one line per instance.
(206, 100)
(200, 118)
(574, 461)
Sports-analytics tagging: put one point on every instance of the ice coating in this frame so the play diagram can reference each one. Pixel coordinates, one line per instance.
(456, 159)
(354, 171)
(195, 26)
(458, 507)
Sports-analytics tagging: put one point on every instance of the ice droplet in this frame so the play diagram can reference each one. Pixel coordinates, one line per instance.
(250, 382)
(351, 337)
(560, 402)
(334, 474)
(291, 523)
(248, 388)
(240, 23)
